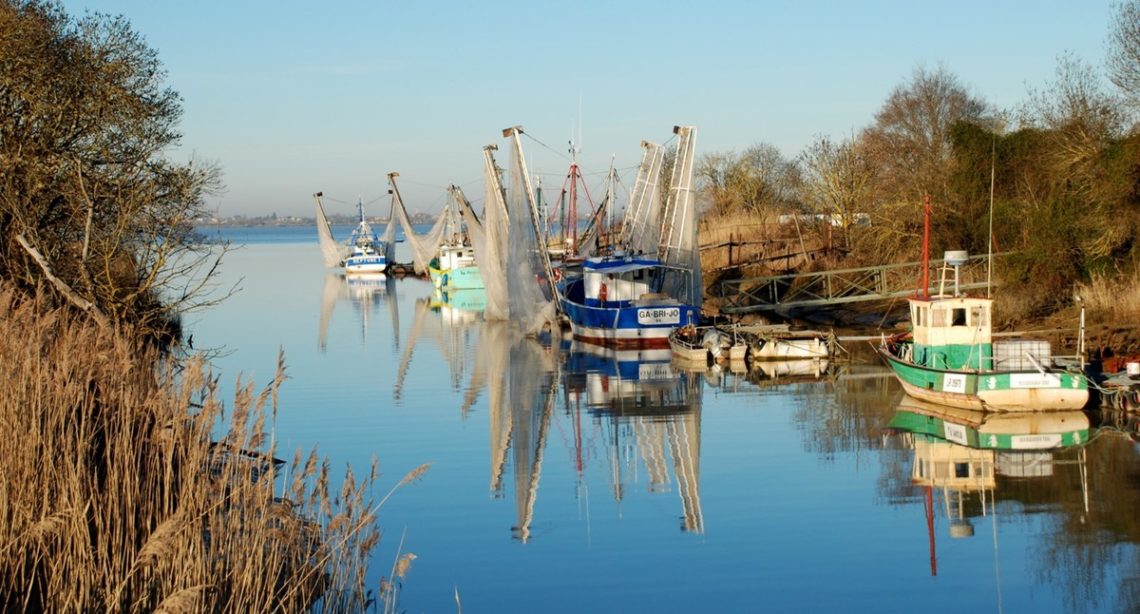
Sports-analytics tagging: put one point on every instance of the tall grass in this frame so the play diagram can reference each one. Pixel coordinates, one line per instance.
(1112, 299)
(114, 498)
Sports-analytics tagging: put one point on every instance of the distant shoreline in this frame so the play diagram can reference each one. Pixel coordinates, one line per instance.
(287, 221)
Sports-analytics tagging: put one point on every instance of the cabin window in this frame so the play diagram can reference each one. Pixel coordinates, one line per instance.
(958, 316)
(938, 317)
(961, 470)
(639, 274)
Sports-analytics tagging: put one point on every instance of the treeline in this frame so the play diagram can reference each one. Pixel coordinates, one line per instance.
(114, 494)
(92, 213)
(1063, 171)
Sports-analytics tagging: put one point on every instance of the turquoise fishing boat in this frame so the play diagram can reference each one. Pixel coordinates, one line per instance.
(949, 356)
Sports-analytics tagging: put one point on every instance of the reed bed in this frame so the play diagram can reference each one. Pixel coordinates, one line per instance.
(755, 241)
(115, 498)
(1115, 298)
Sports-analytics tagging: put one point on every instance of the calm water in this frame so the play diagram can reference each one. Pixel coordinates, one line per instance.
(564, 480)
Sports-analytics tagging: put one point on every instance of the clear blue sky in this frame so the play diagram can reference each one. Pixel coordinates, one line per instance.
(295, 97)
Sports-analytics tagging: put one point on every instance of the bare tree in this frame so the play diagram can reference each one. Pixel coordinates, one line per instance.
(910, 139)
(757, 180)
(1124, 49)
(837, 182)
(91, 209)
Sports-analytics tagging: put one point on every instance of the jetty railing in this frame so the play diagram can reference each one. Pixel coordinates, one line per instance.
(874, 283)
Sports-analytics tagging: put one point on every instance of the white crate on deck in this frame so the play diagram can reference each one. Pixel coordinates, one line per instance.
(1013, 354)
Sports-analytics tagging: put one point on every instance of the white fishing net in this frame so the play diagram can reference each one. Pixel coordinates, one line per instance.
(641, 225)
(530, 292)
(679, 226)
(490, 240)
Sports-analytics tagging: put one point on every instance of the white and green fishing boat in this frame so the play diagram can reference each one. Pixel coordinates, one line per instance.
(950, 357)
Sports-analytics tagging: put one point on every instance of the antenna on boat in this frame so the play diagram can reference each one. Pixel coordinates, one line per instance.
(990, 238)
(924, 291)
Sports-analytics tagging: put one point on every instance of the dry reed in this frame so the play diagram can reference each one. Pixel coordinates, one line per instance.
(115, 498)
(1112, 299)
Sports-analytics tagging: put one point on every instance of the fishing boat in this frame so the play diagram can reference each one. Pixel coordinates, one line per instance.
(950, 357)
(365, 252)
(445, 253)
(369, 255)
(618, 302)
(637, 296)
(455, 267)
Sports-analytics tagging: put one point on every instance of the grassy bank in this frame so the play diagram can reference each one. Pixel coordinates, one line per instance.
(114, 497)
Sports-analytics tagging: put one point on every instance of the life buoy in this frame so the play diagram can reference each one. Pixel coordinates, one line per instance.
(602, 293)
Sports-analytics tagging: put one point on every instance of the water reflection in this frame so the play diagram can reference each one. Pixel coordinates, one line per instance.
(960, 454)
(646, 399)
(640, 406)
(365, 292)
(455, 322)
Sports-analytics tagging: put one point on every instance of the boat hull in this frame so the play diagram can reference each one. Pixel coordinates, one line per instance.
(462, 278)
(631, 327)
(354, 265)
(991, 390)
(790, 349)
(689, 353)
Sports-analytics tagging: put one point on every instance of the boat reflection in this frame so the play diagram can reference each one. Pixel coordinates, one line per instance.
(521, 379)
(773, 372)
(365, 292)
(963, 454)
(615, 408)
(647, 404)
(451, 332)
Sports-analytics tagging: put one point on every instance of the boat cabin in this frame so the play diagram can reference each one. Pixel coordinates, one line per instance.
(617, 282)
(455, 256)
(952, 332)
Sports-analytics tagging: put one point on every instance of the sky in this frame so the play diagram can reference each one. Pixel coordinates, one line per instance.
(291, 98)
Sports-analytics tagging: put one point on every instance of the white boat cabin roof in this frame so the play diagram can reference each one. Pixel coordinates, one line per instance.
(616, 266)
(940, 320)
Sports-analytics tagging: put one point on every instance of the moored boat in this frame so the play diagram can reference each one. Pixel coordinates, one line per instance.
(636, 296)
(779, 342)
(617, 302)
(369, 254)
(455, 268)
(365, 252)
(949, 356)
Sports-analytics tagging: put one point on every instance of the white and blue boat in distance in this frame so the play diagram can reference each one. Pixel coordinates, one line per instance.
(364, 253)
(618, 302)
(369, 255)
